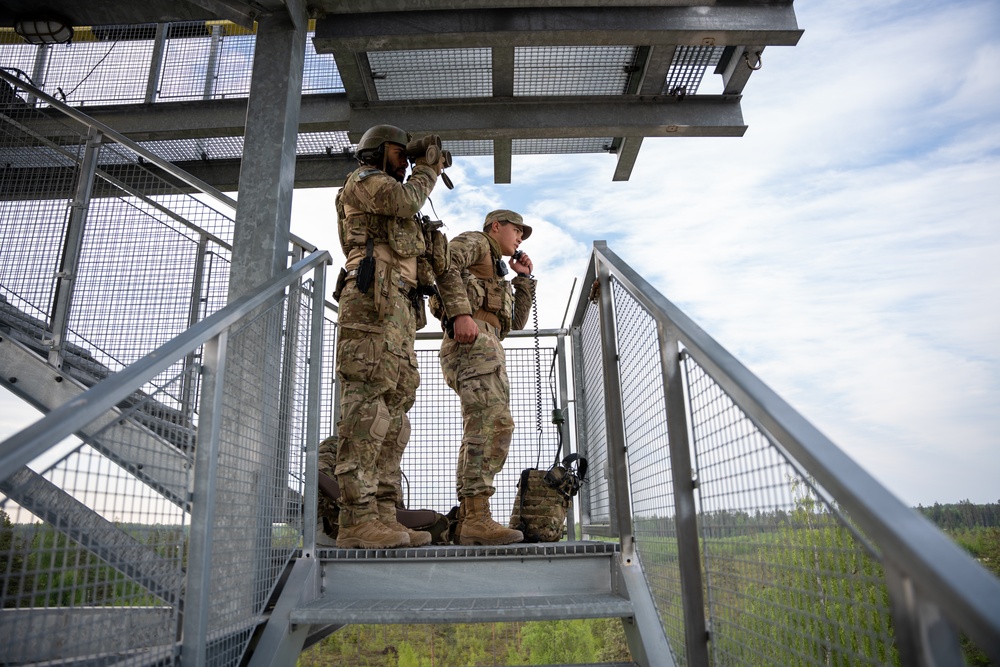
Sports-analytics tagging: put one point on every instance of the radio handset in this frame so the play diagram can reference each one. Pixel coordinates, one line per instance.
(517, 256)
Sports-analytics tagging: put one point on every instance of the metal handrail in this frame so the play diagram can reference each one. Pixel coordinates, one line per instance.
(942, 572)
(24, 446)
(116, 136)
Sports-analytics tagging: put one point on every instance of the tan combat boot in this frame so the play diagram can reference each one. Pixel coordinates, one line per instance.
(387, 517)
(371, 535)
(478, 526)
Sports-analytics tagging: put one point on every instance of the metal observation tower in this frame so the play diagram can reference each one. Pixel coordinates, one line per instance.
(181, 347)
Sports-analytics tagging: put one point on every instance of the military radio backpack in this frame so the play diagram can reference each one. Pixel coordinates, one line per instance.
(544, 496)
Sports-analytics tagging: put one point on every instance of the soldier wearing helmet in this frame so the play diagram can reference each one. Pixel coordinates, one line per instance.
(382, 239)
(474, 364)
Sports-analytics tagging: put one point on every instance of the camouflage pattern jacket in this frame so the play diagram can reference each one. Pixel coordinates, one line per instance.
(374, 205)
(472, 258)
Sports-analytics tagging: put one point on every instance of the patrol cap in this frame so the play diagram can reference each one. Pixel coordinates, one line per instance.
(503, 215)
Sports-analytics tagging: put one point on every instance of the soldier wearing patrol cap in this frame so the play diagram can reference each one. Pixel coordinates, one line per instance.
(474, 364)
(382, 239)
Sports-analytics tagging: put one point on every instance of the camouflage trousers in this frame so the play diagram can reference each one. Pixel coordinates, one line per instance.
(478, 374)
(378, 378)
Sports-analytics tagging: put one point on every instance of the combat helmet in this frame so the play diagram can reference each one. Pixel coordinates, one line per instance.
(371, 148)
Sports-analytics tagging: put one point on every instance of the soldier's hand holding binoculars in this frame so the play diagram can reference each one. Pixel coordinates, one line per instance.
(436, 166)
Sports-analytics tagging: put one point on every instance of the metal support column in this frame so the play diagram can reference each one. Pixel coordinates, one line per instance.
(683, 478)
(267, 171)
(38, 70)
(614, 419)
(212, 67)
(69, 265)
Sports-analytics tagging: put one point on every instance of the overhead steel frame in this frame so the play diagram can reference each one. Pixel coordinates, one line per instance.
(351, 31)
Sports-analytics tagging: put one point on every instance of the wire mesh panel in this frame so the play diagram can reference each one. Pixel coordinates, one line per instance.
(688, 68)
(320, 73)
(789, 581)
(93, 541)
(36, 190)
(94, 546)
(109, 67)
(113, 64)
(647, 448)
(572, 70)
(253, 535)
(16, 57)
(432, 73)
(436, 420)
(556, 145)
(151, 262)
(595, 497)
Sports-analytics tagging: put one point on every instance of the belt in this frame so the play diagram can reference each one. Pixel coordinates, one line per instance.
(486, 326)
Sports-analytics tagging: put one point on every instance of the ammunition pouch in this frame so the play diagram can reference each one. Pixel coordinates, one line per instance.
(437, 246)
(543, 498)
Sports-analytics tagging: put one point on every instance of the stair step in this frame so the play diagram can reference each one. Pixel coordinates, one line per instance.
(326, 610)
(460, 584)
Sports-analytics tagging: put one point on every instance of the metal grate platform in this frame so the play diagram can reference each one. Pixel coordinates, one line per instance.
(548, 549)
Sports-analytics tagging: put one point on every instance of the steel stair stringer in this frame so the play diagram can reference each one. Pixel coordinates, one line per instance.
(132, 446)
(644, 631)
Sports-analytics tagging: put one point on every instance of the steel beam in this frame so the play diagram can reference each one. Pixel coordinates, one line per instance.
(516, 118)
(538, 118)
(718, 25)
(367, 6)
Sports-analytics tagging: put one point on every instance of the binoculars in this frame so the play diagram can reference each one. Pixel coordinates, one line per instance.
(429, 147)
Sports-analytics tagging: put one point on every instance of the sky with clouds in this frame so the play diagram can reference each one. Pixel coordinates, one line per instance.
(846, 249)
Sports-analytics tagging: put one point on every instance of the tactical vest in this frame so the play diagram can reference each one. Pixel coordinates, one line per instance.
(404, 235)
(489, 294)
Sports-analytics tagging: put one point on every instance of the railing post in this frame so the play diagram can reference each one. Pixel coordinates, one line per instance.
(194, 626)
(69, 265)
(582, 440)
(685, 510)
(614, 420)
(156, 62)
(194, 313)
(924, 636)
(288, 381)
(310, 496)
(563, 426)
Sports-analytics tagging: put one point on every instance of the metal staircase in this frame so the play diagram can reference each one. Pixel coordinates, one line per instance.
(180, 527)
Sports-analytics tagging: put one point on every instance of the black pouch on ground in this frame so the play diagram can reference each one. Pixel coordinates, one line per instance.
(435, 523)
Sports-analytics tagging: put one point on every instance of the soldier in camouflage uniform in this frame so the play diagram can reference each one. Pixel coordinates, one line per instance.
(474, 363)
(381, 234)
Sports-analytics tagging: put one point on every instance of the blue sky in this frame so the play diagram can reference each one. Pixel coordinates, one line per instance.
(846, 249)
